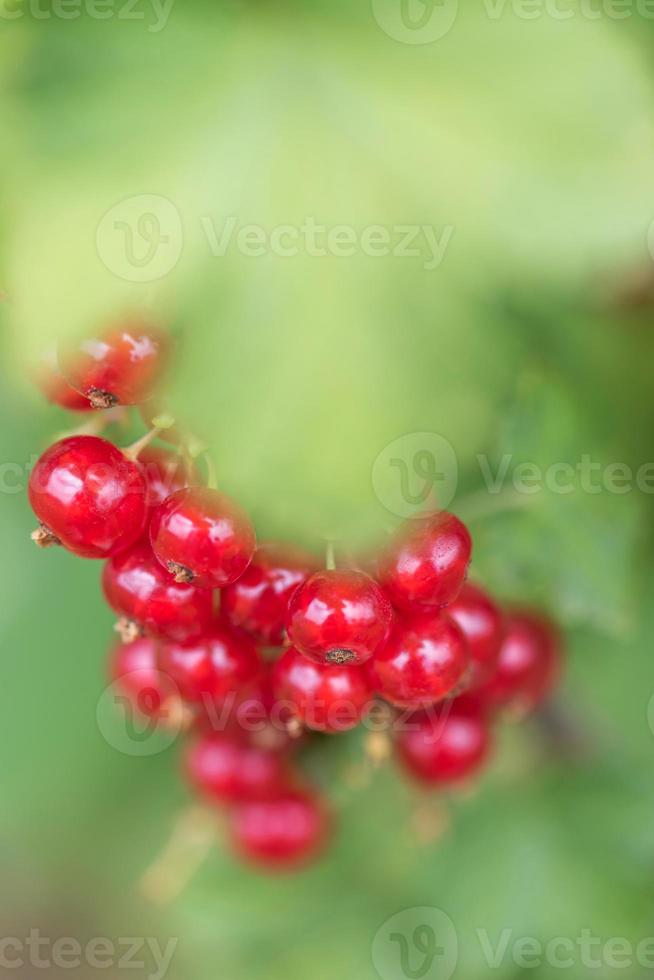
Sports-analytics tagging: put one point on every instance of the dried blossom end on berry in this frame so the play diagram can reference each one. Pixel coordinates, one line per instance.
(340, 656)
(180, 573)
(128, 629)
(87, 493)
(101, 399)
(204, 532)
(176, 715)
(294, 727)
(339, 617)
(43, 537)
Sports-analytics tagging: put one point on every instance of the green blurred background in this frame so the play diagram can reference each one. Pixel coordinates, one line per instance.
(527, 142)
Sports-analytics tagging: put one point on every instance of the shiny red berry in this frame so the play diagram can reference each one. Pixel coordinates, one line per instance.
(88, 496)
(229, 770)
(281, 833)
(339, 617)
(137, 587)
(202, 536)
(424, 661)
(257, 709)
(220, 664)
(134, 669)
(258, 600)
(55, 387)
(256, 715)
(120, 367)
(165, 472)
(444, 746)
(425, 564)
(482, 623)
(529, 664)
(323, 697)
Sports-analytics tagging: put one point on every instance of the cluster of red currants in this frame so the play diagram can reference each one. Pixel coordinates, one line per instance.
(257, 646)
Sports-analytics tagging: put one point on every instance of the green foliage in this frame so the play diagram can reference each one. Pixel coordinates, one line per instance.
(532, 140)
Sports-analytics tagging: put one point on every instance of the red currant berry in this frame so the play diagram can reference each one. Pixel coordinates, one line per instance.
(425, 563)
(136, 586)
(55, 387)
(256, 716)
(324, 698)
(339, 617)
(120, 367)
(482, 624)
(529, 663)
(424, 660)
(220, 664)
(202, 536)
(258, 600)
(446, 746)
(134, 669)
(473, 702)
(88, 496)
(280, 833)
(228, 770)
(165, 472)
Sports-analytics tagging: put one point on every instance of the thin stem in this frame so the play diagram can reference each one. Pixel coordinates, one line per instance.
(430, 818)
(330, 558)
(190, 842)
(212, 473)
(133, 452)
(155, 415)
